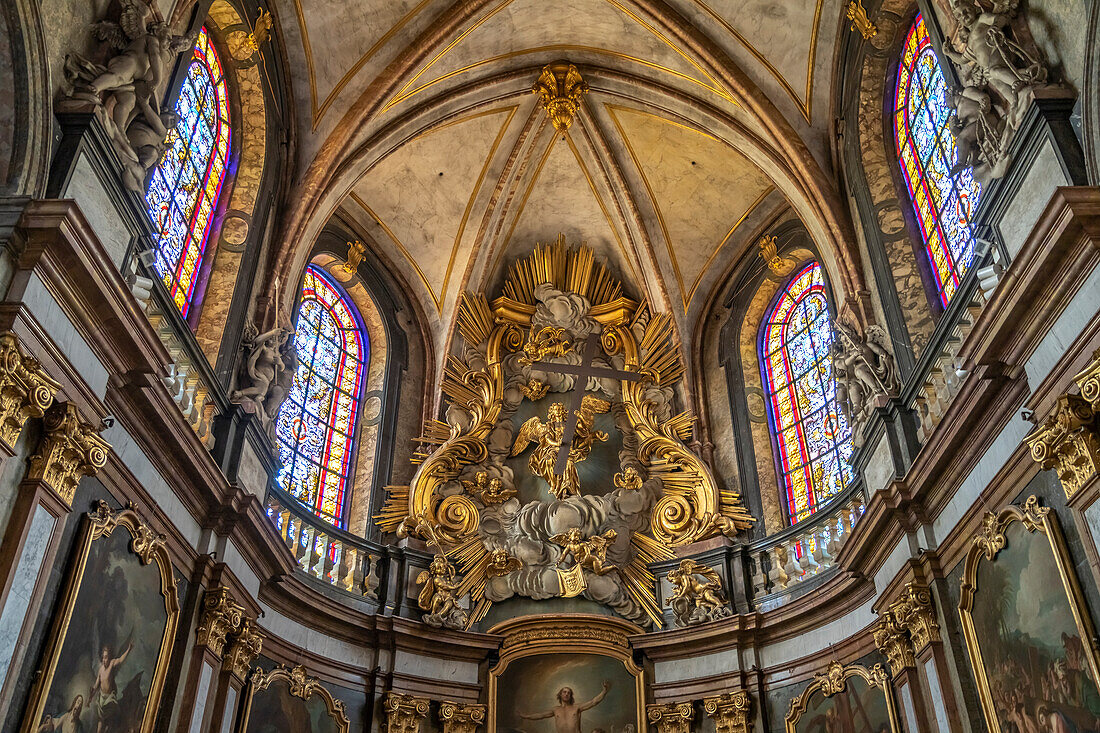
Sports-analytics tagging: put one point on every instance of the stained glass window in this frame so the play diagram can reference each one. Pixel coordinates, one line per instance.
(185, 184)
(812, 437)
(943, 202)
(315, 429)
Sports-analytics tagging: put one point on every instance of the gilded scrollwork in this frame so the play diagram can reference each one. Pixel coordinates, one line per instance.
(220, 616)
(301, 685)
(404, 713)
(730, 711)
(68, 450)
(671, 717)
(1068, 440)
(459, 718)
(833, 681)
(25, 389)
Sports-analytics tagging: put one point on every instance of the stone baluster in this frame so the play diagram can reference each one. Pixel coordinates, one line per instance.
(778, 573)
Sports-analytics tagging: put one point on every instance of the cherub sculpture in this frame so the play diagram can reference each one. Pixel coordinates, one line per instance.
(550, 435)
(695, 602)
(488, 490)
(129, 88)
(864, 369)
(590, 553)
(268, 371)
(501, 563)
(439, 595)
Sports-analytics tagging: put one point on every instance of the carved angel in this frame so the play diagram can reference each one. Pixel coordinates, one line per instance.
(501, 563)
(864, 369)
(269, 370)
(439, 595)
(692, 601)
(550, 435)
(590, 553)
(488, 490)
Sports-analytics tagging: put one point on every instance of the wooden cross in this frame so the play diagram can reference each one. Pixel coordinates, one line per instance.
(582, 371)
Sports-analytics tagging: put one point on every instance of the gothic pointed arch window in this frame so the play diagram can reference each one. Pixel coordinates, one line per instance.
(185, 185)
(811, 437)
(943, 199)
(316, 428)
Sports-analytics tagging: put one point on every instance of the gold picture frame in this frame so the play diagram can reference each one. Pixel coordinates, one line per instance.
(532, 636)
(301, 686)
(101, 523)
(834, 681)
(987, 545)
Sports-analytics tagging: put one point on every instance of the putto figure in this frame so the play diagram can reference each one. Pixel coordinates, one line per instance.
(692, 601)
(550, 435)
(439, 595)
(590, 553)
(567, 713)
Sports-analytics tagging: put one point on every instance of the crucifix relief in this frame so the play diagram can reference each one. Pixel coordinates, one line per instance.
(567, 436)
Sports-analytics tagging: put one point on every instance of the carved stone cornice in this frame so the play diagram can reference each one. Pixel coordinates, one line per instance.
(892, 639)
(671, 717)
(25, 389)
(68, 450)
(404, 713)
(221, 615)
(461, 718)
(1068, 441)
(730, 711)
(244, 646)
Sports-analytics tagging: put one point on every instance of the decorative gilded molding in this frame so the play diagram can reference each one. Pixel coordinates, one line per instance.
(860, 22)
(834, 681)
(68, 450)
(1068, 441)
(404, 713)
(730, 712)
(892, 639)
(220, 616)
(303, 686)
(245, 645)
(461, 718)
(25, 389)
(560, 88)
(1088, 381)
(672, 717)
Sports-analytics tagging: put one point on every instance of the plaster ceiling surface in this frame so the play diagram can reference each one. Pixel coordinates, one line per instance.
(416, 120)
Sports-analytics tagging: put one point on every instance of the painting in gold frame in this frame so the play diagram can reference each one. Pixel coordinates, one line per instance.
(286, 699)
(1027, 630)
(848, 698)
(120, 602)
(541, 657)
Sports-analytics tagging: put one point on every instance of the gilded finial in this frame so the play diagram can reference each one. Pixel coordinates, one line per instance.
(860, 22)
(769, 252)
(560, 87)
(261, 32)
(355, 256)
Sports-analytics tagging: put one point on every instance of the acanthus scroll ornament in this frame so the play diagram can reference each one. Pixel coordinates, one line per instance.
(461, 718)
(730, 712)
(68, 450)
(404, 713)
(560, 88)
(671, 717)
(1068, 440)
(25, 389)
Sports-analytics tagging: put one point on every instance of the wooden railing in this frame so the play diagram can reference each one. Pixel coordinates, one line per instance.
(324, 552)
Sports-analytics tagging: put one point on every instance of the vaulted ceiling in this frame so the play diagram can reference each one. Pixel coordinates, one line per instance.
(706, 118)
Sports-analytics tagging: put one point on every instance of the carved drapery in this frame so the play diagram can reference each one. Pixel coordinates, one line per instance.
(907, 627)
(25, 389)
(404, 713)
(1068, 441)
(226, 630)
(671, 717)
(730, 712)
(68, 450)
(458, 718)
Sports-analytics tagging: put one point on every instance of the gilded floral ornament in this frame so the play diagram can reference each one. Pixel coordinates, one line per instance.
(560, 88)
(860, 22)
(404, 713)
(356, 250)
(25, 389)
(69, 450)
(893, 640)
(245, 645)
(672, 717)
(769, 252)
(730, 712)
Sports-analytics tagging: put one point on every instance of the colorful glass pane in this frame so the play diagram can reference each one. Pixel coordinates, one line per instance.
(185, 185)
(943, 202)
(812, 437)
(316, 426)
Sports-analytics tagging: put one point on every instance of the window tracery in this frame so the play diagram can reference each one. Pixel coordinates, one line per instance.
(316, 428)
(183, 191)
(812, 439)
(943, 198)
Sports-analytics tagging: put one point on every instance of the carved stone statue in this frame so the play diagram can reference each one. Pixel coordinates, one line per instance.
(864, 369)
(439, 595)
(128, 89)
(998, 75)
(590, 553)
(692, 601)
(268, 372)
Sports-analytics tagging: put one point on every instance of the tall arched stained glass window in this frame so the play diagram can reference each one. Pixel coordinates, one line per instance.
(316, 426)
(812, 439)
(185, 185)
(943, 201)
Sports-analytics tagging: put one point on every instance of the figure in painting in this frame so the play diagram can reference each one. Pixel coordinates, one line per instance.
(67, 722)
(106, 701)
(567, 713)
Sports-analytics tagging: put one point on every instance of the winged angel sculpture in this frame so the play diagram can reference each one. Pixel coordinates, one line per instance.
(550, 436)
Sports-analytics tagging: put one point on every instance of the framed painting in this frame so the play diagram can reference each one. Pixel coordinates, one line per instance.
(287, 699)
(1029, 636)
(109, 647)
(570, 670)
(850, 698)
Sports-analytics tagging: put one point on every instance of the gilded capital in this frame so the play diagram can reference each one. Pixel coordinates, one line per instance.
(730, 712)
(221, 615)
(671, 717)
(244, 646)
(404, 713)
(892, 639)
(916, 612)
(1088, 380)
(560, 88)
(25, 388)
(1068, 441)
(461, 718)
(68, 450)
